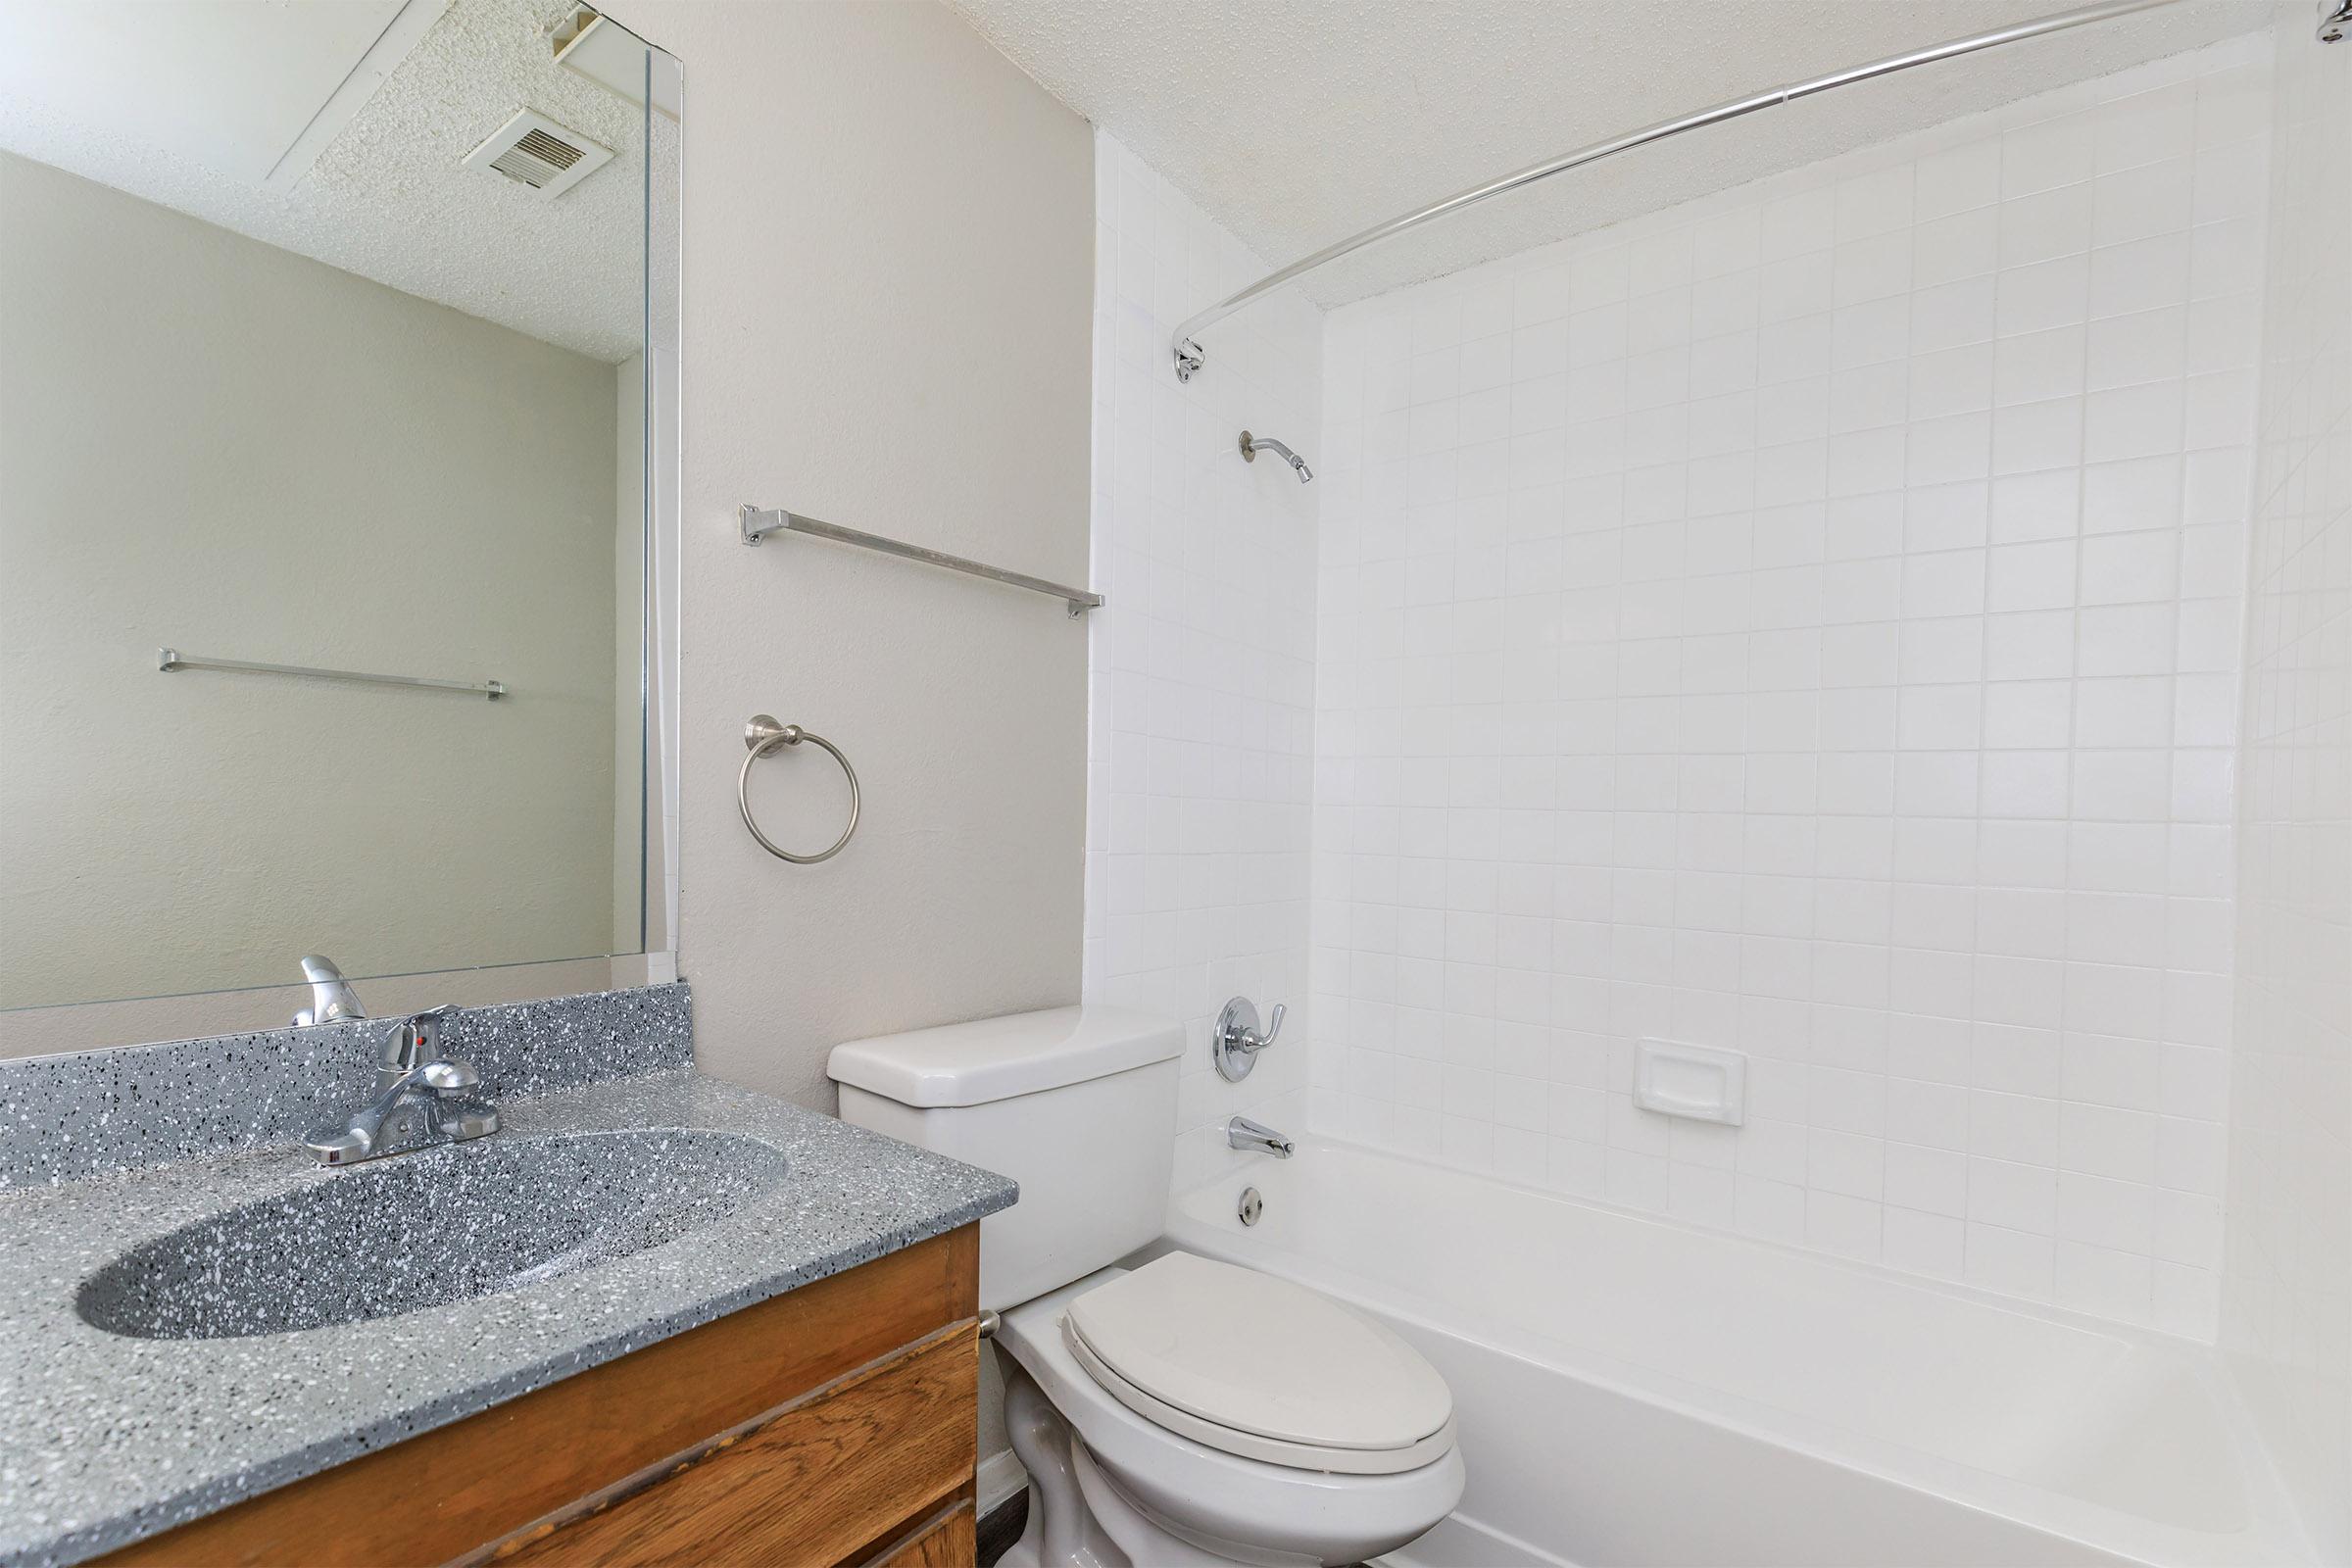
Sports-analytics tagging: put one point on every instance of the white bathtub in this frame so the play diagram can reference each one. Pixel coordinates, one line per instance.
(1636, 1391)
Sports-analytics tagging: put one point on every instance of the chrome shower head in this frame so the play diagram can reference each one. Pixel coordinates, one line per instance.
(1252, 445)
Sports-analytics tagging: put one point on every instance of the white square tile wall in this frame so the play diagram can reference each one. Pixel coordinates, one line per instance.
(1199, 746)
(1807, 621)
(2287, 1283)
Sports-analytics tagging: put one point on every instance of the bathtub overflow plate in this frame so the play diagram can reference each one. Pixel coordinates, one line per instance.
(1250, 1208)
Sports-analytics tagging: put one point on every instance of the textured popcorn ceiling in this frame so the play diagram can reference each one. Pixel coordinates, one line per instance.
(1297, 122)
(390, 199)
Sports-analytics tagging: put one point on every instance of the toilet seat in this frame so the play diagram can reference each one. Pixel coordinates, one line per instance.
(1259, 1367)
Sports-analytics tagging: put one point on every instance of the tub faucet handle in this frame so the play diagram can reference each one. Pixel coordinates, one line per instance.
(1237, 1041)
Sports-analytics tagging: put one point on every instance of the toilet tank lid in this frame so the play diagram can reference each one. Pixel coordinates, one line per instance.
(996, 1058)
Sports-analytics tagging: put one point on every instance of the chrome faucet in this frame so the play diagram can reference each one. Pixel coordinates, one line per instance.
(422, 1098)
(331, 998)
(1259, 1138)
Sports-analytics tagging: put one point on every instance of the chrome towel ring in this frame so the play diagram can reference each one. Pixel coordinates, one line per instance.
(763, 735)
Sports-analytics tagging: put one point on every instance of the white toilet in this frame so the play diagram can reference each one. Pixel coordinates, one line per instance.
(1185, 1413)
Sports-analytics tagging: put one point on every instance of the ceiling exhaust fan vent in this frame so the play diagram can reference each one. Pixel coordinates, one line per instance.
(532, 150)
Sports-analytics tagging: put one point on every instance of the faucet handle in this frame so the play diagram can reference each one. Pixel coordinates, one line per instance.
(449, 1074)
(412, 1042)
(426, 1027)
(1235, 1042)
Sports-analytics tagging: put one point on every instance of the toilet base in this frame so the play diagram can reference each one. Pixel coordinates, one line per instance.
(1079, 1518)
(1061, 1532)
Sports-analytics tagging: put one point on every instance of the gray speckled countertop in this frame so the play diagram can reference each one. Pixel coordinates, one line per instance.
(105, 1438)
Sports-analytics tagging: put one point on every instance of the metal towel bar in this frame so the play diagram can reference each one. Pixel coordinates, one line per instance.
(170, 658)
(759, 522)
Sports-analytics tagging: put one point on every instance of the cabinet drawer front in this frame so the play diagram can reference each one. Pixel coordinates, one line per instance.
(813, 1485)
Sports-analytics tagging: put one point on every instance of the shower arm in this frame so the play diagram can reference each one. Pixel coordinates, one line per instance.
(1252, 445)
(1190, 356)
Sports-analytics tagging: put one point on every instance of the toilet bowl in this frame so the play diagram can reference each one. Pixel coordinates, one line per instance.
(1156, 1495)
(1187, 1411)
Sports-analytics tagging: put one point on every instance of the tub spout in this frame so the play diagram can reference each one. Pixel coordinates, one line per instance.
(1243, 1133)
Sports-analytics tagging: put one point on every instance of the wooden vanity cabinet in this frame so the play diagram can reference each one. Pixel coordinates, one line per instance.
(833, 1425)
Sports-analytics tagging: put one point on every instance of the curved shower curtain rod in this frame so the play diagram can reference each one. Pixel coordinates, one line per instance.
(1190, 356)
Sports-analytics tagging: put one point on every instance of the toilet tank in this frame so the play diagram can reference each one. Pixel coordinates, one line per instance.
(1077, 1105)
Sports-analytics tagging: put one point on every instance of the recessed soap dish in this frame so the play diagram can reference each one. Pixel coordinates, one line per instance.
(1703, 1083)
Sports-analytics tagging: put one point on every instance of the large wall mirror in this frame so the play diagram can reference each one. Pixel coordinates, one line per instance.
(337, 477)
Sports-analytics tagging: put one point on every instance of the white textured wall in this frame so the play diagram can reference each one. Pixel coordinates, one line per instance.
(1806, 621)
(888, 240)
(214, 444)
(2287, 1287)
(1200, 753)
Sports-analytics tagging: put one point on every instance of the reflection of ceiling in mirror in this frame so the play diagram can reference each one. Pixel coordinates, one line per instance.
(389, 198)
